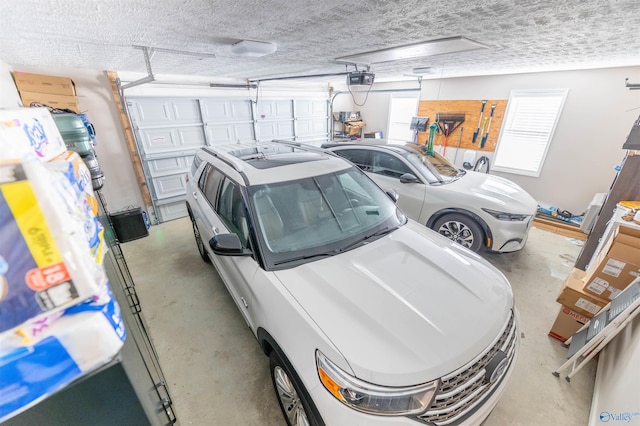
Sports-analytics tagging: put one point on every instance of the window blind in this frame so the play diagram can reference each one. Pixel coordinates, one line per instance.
(529, 123)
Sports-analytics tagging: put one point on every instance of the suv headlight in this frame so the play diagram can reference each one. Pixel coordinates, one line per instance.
(507, 216)
(373, 399)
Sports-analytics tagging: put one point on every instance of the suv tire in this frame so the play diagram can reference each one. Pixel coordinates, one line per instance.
(292, 397)
(461, 229)
(203, 251)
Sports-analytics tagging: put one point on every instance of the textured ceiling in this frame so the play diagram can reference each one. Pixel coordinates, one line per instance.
(523, 35)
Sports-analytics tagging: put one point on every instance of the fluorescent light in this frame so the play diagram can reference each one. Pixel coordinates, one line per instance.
(422, 70)
(253, 48)
(416, 50)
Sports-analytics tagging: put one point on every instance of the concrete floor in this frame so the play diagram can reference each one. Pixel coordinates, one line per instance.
(217, 374)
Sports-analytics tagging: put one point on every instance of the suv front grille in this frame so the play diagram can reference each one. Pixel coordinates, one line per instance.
(463, 390)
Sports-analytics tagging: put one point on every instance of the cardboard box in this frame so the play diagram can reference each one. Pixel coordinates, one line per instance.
(55, 101)
(567, 323)
(575, 298)
(39, 83)
(617, 264)
(353, 127)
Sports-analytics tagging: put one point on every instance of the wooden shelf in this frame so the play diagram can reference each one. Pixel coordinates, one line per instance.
(561, 228)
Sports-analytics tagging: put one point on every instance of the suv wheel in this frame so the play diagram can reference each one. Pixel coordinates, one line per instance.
(203, 251)
(461, 229)
(292, 396)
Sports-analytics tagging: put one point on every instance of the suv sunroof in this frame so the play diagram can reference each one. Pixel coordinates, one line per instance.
(271, 155)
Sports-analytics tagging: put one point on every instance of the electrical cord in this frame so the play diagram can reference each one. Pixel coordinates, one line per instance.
(482, 161)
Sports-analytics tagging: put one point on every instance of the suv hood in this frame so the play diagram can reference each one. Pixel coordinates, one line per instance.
(501, 194)
(405, 309)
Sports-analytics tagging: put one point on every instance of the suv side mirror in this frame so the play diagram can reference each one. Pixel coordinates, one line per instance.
(408, 178)
(228, 245)
(393, 194)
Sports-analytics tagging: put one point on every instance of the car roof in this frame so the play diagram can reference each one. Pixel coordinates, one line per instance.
(256, 163)
(373, 143)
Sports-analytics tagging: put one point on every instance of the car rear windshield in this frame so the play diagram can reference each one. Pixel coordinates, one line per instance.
(306, 219)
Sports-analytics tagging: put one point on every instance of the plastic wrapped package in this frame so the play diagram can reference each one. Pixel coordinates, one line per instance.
(80, 199)
(46, 264)
(58, 319)
(46, 355)
(29, 132)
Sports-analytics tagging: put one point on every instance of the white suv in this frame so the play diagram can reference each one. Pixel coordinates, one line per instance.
(368, 318)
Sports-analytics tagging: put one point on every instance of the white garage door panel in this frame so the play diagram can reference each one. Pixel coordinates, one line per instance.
(311, 127)
(275, 110)
(309, 108)
(150, 112)
(165, 140)
(169, 130)
(170, 186)
(225, 133)
(187, 111)
(225, 110)
(170, 211)
(167, 166)
(275, 130)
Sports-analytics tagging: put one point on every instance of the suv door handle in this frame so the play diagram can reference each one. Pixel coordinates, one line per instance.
(195, 194)
(215, 230)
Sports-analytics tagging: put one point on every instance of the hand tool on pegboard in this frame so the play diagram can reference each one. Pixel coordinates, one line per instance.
(432, 137)
(486, 135)
(477, 132)
(455, 157)
(448, 123)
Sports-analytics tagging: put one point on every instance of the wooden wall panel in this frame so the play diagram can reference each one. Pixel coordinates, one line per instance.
(471, 111)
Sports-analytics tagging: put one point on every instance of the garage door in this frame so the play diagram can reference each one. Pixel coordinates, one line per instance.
(168, 131)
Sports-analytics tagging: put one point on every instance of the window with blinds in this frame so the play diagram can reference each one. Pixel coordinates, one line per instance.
(527, 130)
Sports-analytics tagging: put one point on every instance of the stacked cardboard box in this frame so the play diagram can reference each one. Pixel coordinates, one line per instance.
(353, 127)
(585, 293)
(577, 308)
(56, 92)
(617, 264)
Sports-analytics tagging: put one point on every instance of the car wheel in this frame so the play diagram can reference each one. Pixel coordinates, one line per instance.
(461, 229)
(203, 251)
(292, 397)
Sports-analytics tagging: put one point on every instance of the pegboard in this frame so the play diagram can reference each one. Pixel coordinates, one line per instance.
(471, 111)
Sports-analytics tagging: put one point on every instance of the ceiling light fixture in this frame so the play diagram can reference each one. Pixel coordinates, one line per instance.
(422, 70)
(252, 48)
(415, 50)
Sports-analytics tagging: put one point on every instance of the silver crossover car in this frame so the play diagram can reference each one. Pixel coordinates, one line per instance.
(477, 210)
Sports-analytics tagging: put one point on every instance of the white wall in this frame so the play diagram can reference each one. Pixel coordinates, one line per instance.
(587, 145)
(94, 98)
(9, 97)
(374, 107)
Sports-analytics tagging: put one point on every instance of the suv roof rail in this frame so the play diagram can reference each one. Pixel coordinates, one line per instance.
(231, 161)
(304, 146)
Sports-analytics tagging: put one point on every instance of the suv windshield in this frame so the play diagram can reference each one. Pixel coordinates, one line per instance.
(443, 170)
(309, 218)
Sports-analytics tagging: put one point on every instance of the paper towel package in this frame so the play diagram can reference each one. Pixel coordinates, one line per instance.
(26, 132)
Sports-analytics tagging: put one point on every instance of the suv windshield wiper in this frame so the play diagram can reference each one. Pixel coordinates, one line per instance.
(364, 239)
(308, 256)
